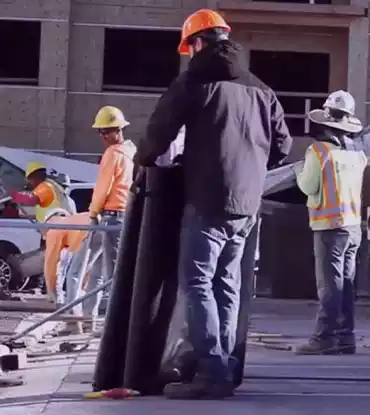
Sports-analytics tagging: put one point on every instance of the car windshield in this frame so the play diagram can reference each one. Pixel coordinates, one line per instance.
(11, 176)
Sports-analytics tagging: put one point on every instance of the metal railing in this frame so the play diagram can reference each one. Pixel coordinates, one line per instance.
(90, 256)
(15, 224)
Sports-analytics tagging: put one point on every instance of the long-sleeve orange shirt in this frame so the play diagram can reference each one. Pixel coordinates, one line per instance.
(114, 180)
(58, 239)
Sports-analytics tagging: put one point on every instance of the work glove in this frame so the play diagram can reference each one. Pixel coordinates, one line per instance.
(94, 221)
(139, 180)
(178, 159)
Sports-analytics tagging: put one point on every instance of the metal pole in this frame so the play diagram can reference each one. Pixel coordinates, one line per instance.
(60, 311)
(15, 224)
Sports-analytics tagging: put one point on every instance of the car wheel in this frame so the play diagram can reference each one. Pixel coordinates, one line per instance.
(10, 275)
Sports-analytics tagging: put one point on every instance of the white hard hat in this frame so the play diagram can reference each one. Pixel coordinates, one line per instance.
(341, 100)
(56, 211)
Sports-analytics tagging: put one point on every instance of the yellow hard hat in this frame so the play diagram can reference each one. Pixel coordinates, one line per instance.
(34, 166)
(109, 117)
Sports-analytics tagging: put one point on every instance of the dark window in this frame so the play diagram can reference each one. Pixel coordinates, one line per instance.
(20, 52)
(140, 60)
(296, 126)
(82, 198)
(292, 71)
(292, 104)
(296, 86)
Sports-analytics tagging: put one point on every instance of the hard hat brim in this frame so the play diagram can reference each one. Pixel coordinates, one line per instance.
(183, 48)
(349, 124)
(28, 174)
(120, 125)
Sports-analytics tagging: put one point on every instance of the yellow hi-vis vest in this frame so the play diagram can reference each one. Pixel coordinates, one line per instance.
(338, 203)
(60, 200)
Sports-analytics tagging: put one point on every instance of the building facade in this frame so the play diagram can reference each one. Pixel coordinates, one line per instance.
(61, 60)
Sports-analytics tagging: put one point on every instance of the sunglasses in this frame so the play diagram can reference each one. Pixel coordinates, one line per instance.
(106, 131)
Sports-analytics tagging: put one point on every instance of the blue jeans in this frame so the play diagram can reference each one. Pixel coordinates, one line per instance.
(210, 255)
(110, 244)
(74, 277)
(335, 264)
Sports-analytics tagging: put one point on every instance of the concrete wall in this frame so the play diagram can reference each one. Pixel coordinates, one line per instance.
(57, 115)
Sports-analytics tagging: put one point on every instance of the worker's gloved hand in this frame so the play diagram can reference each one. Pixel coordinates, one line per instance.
(139, 180)
(94, 220)
(178, 159)
(145, 161)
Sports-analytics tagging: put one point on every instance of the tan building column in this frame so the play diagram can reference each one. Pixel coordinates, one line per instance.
(358, 40)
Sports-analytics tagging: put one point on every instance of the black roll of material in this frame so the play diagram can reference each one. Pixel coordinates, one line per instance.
(109, 367)
(155, 283)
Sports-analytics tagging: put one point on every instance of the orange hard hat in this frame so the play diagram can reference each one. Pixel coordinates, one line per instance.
(197, 22)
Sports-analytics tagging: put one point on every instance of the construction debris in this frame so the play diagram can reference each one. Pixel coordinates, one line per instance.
(116, 393)
(7, 381)
(14, 361)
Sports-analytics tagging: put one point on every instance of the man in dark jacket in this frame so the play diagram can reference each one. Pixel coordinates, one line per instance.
(235, 130)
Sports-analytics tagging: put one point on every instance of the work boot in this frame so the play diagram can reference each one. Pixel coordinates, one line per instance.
(317, 347)
(347, 345)
(7, 381)
(199, 389)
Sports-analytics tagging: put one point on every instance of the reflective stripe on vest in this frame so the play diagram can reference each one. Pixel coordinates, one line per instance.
(332, 207)
(60, 201)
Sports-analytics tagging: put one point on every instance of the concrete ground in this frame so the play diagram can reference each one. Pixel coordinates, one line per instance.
(276, 380)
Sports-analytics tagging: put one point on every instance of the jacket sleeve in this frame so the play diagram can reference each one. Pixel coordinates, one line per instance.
(168, 117)
(281, 140)
(308, 179)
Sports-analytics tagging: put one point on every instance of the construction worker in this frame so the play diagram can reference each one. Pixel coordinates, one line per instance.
(234, 128)
(114, 180)
(46, 193)
(74, 242)
(332, 180)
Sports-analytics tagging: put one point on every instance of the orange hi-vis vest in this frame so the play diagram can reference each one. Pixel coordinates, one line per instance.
(339, 201)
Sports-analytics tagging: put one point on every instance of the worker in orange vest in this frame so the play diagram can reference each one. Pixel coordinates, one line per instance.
(114, 180)
(332, 178)
(74, 241)
(46, 193)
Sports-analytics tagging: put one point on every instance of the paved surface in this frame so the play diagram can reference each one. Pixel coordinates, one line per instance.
(9, 322)
(276, 380)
